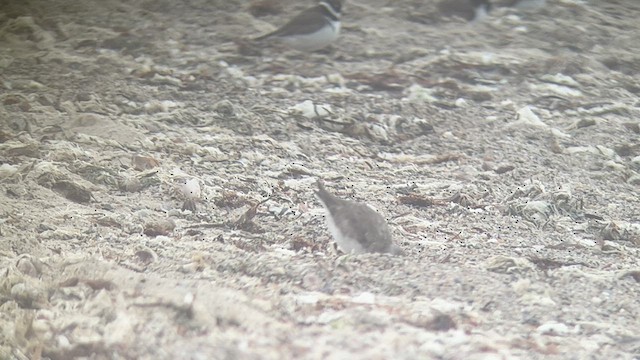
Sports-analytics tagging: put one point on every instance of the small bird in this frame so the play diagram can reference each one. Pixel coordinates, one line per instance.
(313, 29)
(527, 4)
(356, 227)
(470, 10)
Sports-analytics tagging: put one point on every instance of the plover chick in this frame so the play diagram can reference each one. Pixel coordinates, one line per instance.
(356, 227)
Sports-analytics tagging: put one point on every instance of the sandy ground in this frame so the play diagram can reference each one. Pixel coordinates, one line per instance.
(505, 155)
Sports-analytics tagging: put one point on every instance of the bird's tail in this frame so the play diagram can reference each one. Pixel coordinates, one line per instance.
(265, 36)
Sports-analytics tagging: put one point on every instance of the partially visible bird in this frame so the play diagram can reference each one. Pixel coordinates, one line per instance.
(470, 10)
(313, 29)
(356, 227)
(527, 4)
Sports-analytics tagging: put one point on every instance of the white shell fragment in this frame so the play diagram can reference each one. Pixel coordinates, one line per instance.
(528, 117)
(191, 189)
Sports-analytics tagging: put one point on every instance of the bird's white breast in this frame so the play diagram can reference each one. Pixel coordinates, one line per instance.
(316, 40)
(481, 13)
(346, 244)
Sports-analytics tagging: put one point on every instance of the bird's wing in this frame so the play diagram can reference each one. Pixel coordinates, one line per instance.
(367, 227)
(306, 22)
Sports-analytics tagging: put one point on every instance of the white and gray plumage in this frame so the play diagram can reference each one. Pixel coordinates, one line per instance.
(470, 10)
(527, 4)
(356, 227)
(313, 29)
